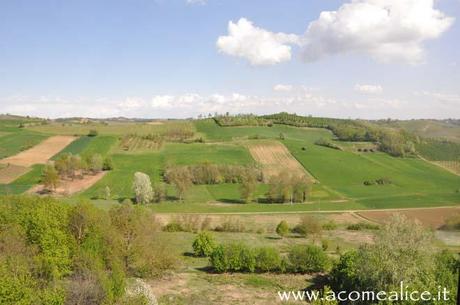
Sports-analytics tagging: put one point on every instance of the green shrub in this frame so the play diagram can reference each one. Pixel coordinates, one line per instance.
(108, 164)
(233, 257)
(362, 226)
(308, 225)
(267, 259)
(307, 259)
(173, 227)
(324, 244)
(204, 244)
(329, 226)
(282, 229)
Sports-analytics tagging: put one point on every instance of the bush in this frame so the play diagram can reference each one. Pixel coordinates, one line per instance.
(108, 164)
(173, 227)
(282, 229)
(329, 226)
(233, 257)
(324, 244)
(267, 259)
(93, 133)
(308, 226)
(307, 259)
(204, 244)
(362, 226)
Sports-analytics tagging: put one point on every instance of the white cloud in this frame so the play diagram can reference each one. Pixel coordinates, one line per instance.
(282, 87)
(258, 46)
(387, 30)
(368, 89)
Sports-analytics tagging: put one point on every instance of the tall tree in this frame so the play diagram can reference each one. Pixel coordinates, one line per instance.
(50, 177)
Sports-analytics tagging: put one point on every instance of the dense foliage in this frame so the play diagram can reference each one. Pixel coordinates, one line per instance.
(54, 253)
(403, 251)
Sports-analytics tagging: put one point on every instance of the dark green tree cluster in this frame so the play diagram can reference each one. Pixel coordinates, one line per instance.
(54, 253)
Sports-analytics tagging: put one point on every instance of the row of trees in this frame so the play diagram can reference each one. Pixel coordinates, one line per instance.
(55, 253)
(69, 166)
(209, 173)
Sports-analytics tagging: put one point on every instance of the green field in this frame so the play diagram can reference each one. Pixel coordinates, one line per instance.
(18, 141)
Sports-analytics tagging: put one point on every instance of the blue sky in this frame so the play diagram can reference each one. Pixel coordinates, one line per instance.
(180, 58)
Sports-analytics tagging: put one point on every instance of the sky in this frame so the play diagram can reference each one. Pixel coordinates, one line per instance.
(369, 59)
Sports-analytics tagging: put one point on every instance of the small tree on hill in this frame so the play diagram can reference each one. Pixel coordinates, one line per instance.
(282, 229)
(248, 185)
(50, 177)
(95, 163)
(142, 188)
(181, 178)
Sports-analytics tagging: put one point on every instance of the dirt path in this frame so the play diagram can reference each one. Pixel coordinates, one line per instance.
(40, 153)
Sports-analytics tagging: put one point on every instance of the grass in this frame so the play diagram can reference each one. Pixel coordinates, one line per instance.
(411, 178)
(24, 182)
(76, 147)
(18, 141)
(439, 150)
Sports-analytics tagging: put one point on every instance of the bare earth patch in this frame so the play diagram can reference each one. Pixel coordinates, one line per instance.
(433, 217)
(275, 158)
(69, 187)
(11, 172)
(41, 153)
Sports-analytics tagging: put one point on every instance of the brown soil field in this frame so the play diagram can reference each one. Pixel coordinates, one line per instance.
(11, 172)
(69, 187)
(41, 153)
(275, 158)
(433, 217)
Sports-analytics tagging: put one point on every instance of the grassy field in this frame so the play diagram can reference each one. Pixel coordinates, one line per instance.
(18, 141)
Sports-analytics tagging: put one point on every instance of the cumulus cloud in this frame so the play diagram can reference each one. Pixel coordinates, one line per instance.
(368, 89)
(282, 87)
(258, 46)
(387, 30)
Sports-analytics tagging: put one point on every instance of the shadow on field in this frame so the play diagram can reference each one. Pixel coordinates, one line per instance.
(231, 201)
